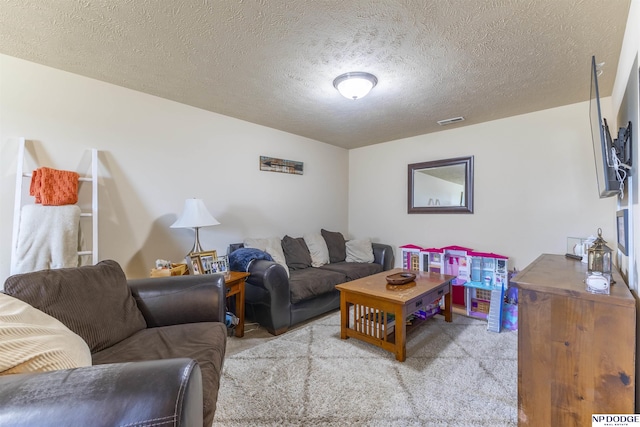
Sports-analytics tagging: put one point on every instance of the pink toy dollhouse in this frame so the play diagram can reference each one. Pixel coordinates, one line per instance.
(477, 273)
(411, 258)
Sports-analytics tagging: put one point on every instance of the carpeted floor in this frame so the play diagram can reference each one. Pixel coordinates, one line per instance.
(456, 374)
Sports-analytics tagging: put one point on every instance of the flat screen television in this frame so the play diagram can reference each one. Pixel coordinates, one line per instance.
(608, 184)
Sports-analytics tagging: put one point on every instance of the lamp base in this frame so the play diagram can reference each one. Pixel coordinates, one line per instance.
(196, 243)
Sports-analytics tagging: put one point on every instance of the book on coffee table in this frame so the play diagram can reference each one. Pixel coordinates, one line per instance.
(377, 318)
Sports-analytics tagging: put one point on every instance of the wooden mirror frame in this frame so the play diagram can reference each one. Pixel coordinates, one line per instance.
(466, 207)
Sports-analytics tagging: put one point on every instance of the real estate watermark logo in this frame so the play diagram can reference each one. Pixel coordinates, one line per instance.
(615, 420)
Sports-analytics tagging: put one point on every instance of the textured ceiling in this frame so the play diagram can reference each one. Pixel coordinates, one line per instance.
(272, 62)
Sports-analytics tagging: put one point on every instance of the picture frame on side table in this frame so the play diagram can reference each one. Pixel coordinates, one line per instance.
(193, 262)
(622, 227)
(220, 265)
(205, 260)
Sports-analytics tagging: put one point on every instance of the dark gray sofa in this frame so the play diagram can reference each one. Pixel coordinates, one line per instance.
(278, 302)
(157, 347)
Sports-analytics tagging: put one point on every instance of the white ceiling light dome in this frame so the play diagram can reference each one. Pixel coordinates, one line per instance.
(355, 85)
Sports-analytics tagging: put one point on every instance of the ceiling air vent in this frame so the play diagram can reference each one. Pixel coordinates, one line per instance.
(450, 121)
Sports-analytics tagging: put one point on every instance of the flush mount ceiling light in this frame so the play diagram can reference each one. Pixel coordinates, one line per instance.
(355, 85)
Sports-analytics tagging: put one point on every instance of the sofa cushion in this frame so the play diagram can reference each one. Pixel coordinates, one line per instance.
(278, 256)
(335, 244)
(271, 245)
(359, 251)
(296, 253)
(33, 341)
(354, 270)
(262, 243)
(311, 282)
(204, 342)
(317, 249)
(93, 301)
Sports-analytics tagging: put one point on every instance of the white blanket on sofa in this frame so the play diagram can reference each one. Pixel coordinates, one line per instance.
(47, 238)
(33, 341)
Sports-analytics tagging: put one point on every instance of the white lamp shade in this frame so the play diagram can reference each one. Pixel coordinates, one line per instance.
(355, 85)
(194, 215)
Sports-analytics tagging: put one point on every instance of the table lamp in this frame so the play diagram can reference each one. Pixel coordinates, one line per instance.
(195, 215)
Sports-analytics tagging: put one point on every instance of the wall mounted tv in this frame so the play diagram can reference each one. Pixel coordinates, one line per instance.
(612, 157)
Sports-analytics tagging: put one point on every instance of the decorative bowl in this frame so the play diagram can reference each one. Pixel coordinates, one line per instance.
(400, 278)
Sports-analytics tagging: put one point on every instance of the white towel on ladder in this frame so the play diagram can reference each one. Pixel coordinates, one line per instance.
(47, 238)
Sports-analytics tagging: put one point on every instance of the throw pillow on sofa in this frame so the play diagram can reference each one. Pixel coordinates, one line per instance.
(32, 341)
(335, 244)
(359, 250)
(271, 245)
(296, 253)
(93, 301)
(278, 256)
(317, 249)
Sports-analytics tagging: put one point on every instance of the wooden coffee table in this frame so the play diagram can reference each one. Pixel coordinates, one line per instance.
(365, 301)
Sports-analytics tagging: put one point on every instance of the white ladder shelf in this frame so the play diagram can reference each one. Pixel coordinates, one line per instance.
(93, 214)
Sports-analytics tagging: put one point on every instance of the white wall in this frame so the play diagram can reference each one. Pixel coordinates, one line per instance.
(626, 106)
(535, 185)
(156, 153)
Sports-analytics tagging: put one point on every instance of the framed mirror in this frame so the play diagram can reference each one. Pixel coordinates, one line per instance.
(441, 186)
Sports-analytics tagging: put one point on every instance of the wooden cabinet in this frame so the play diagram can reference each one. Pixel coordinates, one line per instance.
(576, 350)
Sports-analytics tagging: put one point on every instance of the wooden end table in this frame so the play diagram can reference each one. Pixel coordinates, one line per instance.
(234, 282)
(369, 302)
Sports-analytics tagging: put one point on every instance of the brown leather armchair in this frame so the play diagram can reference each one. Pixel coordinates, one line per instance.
(152, 393)
(166, 372)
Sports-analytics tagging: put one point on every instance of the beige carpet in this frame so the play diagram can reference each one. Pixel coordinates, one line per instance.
(456, 374)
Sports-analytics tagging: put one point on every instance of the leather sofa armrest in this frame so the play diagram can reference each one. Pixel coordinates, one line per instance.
(268, 275)
(175, 300)
(146, 393)
(383, 255)
(273, 282)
